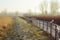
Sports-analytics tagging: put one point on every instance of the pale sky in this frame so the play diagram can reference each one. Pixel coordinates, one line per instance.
(20, 5)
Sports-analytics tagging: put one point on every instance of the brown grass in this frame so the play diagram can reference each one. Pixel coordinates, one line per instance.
(5, 23)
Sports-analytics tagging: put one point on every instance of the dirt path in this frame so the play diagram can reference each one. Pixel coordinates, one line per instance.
(31, 32)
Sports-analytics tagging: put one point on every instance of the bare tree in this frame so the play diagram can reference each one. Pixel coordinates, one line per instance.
(43, 7)
(54, 6)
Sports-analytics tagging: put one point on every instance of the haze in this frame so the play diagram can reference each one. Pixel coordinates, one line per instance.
(20, 5)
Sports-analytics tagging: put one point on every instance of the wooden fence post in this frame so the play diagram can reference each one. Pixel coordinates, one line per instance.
(51, 29)
(56, 32)
(43, 24)
(47, 25)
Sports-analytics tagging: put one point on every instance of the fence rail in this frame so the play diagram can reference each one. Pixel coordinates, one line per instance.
(51, 28)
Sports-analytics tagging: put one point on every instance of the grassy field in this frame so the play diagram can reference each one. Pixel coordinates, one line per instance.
(29, 31)
(34, 33)
(5, 24)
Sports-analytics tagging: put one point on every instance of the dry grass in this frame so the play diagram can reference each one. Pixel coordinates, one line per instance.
(5, 23)
(32, 30)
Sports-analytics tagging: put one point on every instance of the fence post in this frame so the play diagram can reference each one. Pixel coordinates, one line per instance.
(56, 32)
(47, 25)
(43, 24)
(38, 23)
(51, 29)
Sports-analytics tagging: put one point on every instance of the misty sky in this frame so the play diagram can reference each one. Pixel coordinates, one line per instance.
(20, 5)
